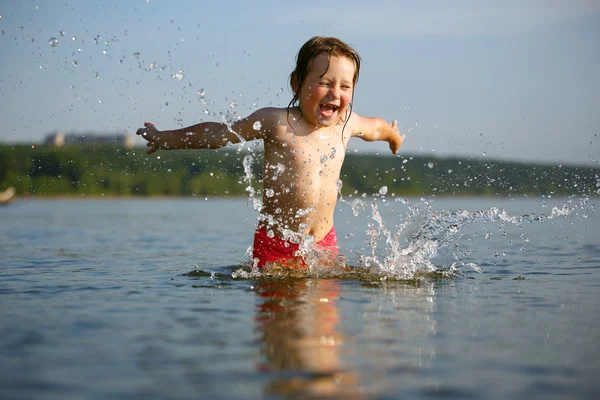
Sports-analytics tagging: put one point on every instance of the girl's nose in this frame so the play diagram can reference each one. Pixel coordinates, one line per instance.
(335, 92)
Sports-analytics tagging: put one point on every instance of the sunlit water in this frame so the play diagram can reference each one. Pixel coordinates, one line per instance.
(455, 298)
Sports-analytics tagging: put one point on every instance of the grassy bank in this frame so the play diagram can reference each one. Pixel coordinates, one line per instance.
(113, 171)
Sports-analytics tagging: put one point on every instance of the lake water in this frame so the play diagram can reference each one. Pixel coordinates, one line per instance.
(96, 301)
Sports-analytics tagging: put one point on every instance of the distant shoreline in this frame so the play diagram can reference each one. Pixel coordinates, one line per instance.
(84, 197)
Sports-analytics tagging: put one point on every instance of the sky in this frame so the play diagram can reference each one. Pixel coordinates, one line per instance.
(509, 80)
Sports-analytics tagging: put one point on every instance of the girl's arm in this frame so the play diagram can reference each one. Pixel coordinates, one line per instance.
(371, 129)
(206, 135)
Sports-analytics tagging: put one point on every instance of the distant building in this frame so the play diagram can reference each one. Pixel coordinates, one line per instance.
(59, 139)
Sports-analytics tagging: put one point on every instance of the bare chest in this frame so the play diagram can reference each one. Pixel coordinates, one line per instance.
(320, 153)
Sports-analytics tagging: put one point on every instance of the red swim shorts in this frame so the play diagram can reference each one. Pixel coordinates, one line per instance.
(269, 250)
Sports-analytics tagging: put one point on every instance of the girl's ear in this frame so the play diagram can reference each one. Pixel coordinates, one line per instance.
(294, 82)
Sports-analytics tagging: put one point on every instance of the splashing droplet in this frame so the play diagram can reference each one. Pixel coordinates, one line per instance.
(179, 75)
(430, 164)
(270, 193)
(53, 42)
(324, 158)
(257, 126)
(332, 153)
(383, 191)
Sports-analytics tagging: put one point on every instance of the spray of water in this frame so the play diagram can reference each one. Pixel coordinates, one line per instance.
(412, 247)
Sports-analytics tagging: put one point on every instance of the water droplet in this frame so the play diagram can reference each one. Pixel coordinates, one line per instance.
(53, 42)
(61, 33)
(430, 164)
(324, 158)
(270, 233)
(178, 75)
(270, 193)
(257, 126)
(383, 191)
(332, 153)
(74, 38)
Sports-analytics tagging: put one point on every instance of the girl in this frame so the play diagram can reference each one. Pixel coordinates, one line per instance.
(304, 147)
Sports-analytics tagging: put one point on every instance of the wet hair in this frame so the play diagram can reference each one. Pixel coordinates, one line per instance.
(308, 52)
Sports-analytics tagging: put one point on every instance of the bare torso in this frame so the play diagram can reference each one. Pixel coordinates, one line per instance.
(300, 177)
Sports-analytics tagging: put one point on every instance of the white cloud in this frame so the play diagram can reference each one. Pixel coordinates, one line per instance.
(441, 17)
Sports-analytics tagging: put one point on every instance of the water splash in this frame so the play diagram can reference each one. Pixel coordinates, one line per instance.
(411, 250)
(413, 246)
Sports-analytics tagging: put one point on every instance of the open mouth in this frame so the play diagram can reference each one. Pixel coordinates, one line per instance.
(327, 110)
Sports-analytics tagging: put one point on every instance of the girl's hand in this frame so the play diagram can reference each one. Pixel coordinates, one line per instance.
(395, 140)
(152, 135)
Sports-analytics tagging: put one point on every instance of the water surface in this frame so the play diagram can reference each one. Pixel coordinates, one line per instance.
(96, 302)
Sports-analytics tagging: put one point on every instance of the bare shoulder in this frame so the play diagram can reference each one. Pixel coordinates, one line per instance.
(260, 123)
(267, 117)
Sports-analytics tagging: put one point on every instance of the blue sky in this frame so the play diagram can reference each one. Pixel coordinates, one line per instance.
(509, 79)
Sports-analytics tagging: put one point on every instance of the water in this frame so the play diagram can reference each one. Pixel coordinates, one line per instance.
(96, 301)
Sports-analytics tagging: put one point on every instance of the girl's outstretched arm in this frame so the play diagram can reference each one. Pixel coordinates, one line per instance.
(206, 135)
(371, 129)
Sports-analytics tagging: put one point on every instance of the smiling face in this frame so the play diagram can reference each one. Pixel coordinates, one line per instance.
(327, 90)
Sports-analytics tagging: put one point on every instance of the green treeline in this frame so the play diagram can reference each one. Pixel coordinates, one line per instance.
(112, 171)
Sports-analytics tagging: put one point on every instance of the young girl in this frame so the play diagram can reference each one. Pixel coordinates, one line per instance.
(304, 148)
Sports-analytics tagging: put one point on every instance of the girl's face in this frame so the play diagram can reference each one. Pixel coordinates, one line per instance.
(327, 90)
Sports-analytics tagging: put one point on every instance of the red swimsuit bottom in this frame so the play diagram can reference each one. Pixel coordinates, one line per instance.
(275, 249)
